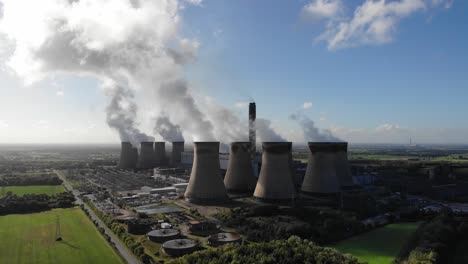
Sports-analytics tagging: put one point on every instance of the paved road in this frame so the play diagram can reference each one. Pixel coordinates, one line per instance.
(123, 250)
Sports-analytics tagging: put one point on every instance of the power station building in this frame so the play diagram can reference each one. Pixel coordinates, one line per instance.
(275, 182)
(239, 175)
(205, 184)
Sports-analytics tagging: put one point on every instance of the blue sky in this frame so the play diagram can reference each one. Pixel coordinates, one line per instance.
(411, 81)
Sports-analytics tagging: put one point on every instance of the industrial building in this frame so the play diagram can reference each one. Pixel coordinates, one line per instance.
(239, 175)
(205, 184)
(275, 182)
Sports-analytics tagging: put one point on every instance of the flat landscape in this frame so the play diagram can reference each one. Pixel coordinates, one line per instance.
(379, 246)
(36, 189)
(31, 239)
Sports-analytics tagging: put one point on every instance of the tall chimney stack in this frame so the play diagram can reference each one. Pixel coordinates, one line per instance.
(239, 175)
(146, 160)
(176, 156)
(253, 137)
(323, 172)
(275, 182)
(206, 184)
(159, 153)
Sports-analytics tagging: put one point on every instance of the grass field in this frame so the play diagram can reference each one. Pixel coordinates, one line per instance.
(36, 189)
(30, 238)
(379, 246)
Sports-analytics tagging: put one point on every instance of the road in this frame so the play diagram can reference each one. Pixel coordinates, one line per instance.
(123, 250)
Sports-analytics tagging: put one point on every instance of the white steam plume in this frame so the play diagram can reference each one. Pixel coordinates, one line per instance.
(312, 133)
(168, 131)
(132, 43)
(265, 132)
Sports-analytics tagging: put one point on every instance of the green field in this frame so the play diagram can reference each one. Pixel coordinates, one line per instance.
(31, 239)
(33, 189)
(379, 246)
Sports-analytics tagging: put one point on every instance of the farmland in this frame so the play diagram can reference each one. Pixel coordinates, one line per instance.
(32, 239)
(379, 246)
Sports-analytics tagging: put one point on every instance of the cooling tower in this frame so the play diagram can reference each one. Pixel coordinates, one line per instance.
(177, 149)
(159, 153)
(343, 169)
(322, 174)
(134, 157)
(126, 156)
(275, 182)
(239, 175)
(146, 159)
(206, 184)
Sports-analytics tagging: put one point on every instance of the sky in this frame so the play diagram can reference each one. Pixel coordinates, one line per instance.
(368, 71)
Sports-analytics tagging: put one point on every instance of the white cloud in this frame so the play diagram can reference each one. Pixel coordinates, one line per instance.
(194, 2)
(60, 93)
(323, 119)
(217, 33)
(372, 23)
(3, 124)
(307, 105)
(388, 128)
(321, 9)
(241, 104)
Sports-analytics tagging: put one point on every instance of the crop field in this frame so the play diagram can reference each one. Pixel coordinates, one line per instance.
(31, 239)
(36, 189)
(379, 246)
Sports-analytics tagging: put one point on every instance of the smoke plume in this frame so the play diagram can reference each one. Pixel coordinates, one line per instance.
(312, 133)
(265, 132)
(168, 131)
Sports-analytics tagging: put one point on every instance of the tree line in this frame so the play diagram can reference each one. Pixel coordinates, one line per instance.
(25, 180)
(30, 203)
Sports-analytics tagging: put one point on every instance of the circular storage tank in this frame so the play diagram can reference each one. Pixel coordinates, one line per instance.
(179, 247)
(163, 235)
(220, 239)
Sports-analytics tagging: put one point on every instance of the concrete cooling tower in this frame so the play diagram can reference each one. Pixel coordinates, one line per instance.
(239, 175)
(146, 160)
(275, 182)
(159, 153)
(125, 161)
(206, 184)
(134, 157)
(328, 168)
(342, 165)
(177, 149)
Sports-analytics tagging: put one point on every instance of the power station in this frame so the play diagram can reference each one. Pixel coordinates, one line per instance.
(205, 184)
(275, 182)
(239, 176)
